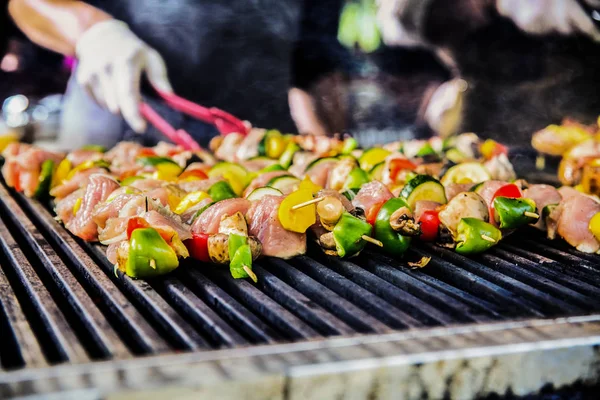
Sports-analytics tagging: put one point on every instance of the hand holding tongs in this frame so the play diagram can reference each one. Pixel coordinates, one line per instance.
(223, 121)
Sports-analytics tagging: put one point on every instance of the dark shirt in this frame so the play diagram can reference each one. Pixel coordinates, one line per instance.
(235, 54)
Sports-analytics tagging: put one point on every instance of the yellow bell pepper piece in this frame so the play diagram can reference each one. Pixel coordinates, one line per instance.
(77, 205)
(275, 146)
(594, 226)
(7, 139)
(168, 170)
(61, 173)
(307, 184)
(301, 219)
(190, 200)
(81, 167)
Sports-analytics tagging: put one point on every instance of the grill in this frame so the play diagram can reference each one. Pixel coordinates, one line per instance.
(370, 326)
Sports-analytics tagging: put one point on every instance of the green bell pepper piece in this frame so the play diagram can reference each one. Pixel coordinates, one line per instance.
(153, 161)
(149, 255)
(94, 147)
(350, 144)
(129, 180)
(221, 191)
(45, 180)
(240, 256)
(356, 178)
(288, 154)
(510, 213)
(475, 236)
(394, 243)
(348, 233)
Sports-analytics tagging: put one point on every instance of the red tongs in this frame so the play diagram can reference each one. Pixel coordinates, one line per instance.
(224, 122)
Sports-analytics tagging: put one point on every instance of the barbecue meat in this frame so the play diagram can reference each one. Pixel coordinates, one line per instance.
(199, 185)
(371, 194)
(249, 146)
(209, 220)
(79, 180)
(262, 180)
(77, 157)
(319, 173)
(455, 188)
(488, 189)
(263, 223)
(574, 214)
(97, 191)
(500, 168)
(463, 205)
(424, 205)
(123, 153)
(543, 195)
(64, 207)
(334, 193)
(113, 205)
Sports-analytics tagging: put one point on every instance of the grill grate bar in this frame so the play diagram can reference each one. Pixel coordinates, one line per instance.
(260, 303)
(159, 314)
(471, 310)
(230, 309)
(375, 306)
(550, 304)
(18, 347)
(312, 313)
(198, 313)
(511, 303)
(343, 309)
(551, 281)
(552, 250)
(418, 309)
(58, 340)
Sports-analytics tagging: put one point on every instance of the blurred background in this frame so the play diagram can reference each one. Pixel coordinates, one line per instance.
(511, 83)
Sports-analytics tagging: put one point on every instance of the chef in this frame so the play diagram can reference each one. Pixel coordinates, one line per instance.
(518, 64)
(234, 55)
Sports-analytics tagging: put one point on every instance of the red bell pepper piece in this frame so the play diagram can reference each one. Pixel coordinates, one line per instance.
(198, 246)
(430, 223)
(399, 164)
(135, 223)
(371, 214)
(197, 173)
(147, 152)
(511, 191)
(18, 187)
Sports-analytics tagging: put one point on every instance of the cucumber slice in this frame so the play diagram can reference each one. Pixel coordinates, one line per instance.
(271, 168)
(476, 187)
(350, 194)
(423, 187)
(226, 167)
(356, 178)
(45, 179)
(426, 150)
(285, 184)
(287, 157)
(471, 172)
(319, 161)
(370, 158)
(455, 156)
(259, 193)
(377, 171)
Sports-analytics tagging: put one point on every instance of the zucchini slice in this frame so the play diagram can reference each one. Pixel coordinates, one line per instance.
(470, 172)
(320, 161)
(261, 192)
(285, 183)
(423, 187)
(376, 173)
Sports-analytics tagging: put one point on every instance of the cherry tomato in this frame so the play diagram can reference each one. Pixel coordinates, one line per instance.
(371, 214)
(511, 191)
(430, 223)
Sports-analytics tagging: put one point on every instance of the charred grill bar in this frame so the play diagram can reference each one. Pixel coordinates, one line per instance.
(69, 324)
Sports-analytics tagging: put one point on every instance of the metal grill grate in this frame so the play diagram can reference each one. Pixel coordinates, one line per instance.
(61, 302)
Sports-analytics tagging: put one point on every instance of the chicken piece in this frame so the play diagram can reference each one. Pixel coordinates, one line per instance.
(319, 174)
(573, 222)
(455, 188)
(190, 214)
(199, 185)
(123, 153)
(424, 205)
(147, 184)
(542, 195)
(113, 205)
(249, 146)
(77, 157)
(488, 189)
(79, 180)
(371, 194)
(64, 207)
(334, 193)
(257, 164)
(463, 205)
(97, 190)
(161, 218)
(500, 168)
(209, 220)
(339, 173)
(234, 225)
(263, 223)
(590, 177)
(262, 180)
(301, 160)
(557, 140)
(228, 147)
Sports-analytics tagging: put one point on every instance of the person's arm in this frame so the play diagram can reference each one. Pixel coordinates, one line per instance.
(111, 58)
(55, 24)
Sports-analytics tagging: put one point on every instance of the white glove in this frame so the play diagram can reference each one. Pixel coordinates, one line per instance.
(550, 16)
(111, 60)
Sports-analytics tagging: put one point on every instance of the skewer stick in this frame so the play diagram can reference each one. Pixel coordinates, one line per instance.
(531, 214)
(307, 203)
(488, 239)
(250, 273)
(371, 240)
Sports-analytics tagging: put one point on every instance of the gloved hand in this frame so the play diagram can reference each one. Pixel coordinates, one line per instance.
(111, 60)
(550, 16)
